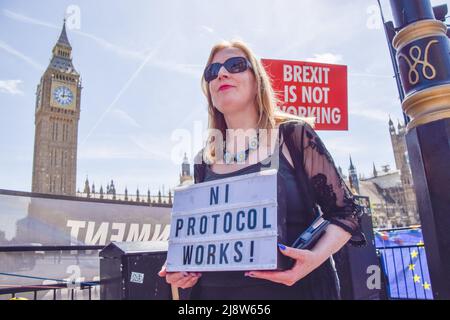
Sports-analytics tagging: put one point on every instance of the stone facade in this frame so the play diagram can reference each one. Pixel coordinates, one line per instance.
(391, 192)
(408, 200)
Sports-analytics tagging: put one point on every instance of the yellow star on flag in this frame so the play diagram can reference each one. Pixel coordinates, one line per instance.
(426, 286)
(416, 278)
(414, 254)
(411, 267)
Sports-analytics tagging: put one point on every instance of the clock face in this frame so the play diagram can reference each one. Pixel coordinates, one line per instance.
(63, 95)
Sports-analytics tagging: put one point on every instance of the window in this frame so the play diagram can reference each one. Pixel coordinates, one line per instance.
(63, 182)
(65, 159)
(52, 184)
(52, 159)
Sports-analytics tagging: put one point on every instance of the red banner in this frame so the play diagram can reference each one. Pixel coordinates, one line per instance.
(309, 89)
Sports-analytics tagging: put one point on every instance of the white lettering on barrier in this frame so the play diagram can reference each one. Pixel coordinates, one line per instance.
(99, 236)
(75, 227)
(100, 233)
(134, 235)
(120, 227)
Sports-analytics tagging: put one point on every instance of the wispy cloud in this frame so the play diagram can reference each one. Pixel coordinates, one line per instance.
(4, 46)
(340, 147)
(10, 86)
(128, 83)
(142, 55)
(125, 118)
(152, 147)
(134, 147)
(188, 69)
(370, 75)
(146, 57)
(104, 152)
(372, 113)
(326, 58)
(207, 29)
(139, 55)
(25, 19)
(121, 51)
(118, 96)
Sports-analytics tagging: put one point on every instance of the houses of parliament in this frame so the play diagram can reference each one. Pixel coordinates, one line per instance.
(57, 113)
(391, 192)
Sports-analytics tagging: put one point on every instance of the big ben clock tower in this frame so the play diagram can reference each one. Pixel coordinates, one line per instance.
(56, 121)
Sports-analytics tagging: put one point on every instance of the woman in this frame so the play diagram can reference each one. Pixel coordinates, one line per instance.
(240, 98)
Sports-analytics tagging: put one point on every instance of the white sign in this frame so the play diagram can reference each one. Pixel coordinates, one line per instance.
(226, 224)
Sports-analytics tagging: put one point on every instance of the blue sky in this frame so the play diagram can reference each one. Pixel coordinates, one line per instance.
(141, 63)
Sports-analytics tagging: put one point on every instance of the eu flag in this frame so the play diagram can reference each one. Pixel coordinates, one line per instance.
(404, 263)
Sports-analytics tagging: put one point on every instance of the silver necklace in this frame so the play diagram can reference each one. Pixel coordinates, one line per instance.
(240, 156)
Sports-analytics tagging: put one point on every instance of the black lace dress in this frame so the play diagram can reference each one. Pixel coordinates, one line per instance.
(330, 192)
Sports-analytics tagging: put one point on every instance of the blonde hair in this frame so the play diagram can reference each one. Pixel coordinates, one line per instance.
(266, 99)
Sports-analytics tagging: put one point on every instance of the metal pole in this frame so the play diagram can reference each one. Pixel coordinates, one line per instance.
(422, 49)
(389, 31)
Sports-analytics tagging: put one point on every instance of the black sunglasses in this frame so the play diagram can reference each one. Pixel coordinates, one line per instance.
(232, 65)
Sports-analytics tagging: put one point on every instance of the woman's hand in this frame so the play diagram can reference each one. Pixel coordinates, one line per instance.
(305, 262)
(181, 280)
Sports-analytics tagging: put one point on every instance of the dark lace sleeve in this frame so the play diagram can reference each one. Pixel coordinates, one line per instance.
(330, 191)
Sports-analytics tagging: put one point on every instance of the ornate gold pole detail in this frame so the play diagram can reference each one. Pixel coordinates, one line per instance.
(425, 75)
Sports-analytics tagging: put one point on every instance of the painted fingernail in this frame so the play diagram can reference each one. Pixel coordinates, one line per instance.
(282, 247)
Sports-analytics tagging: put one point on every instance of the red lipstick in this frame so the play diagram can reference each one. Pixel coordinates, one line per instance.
(225, 87)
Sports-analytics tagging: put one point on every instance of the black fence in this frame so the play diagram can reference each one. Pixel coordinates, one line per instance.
(25, 254)
(404, 271)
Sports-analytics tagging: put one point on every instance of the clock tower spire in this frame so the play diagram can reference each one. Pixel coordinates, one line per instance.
(63, 40)
(57, 114)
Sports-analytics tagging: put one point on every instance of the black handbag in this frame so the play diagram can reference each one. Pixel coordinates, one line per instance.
(308, 239)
